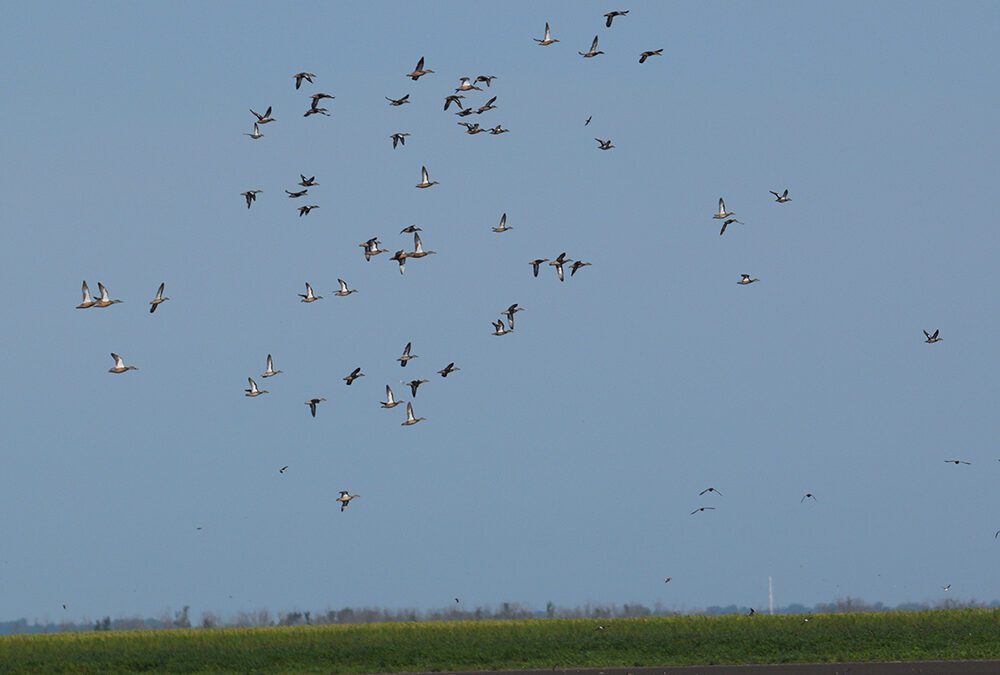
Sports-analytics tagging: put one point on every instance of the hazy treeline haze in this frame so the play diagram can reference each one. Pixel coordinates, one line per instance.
(505, 611)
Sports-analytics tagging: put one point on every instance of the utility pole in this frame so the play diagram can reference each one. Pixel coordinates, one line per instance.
(770, 596)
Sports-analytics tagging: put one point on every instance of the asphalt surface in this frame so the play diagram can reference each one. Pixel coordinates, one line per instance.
(889, 668)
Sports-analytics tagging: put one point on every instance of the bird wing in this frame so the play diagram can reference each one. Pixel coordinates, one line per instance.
(343, 285)
(420, 64)
(424, 175)
(593, 45)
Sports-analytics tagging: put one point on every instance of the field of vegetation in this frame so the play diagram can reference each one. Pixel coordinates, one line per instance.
(493, 645)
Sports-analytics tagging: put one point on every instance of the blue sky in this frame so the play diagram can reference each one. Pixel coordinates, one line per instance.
(561, 462)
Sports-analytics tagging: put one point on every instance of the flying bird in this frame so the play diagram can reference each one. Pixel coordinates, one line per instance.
(722, 213)
(155, 302)
(700, 509)
(353, 375)
(398, 139)
(304, 210)
(956, 461)
(646, 55)
(746, 280)
(487, 79)
(308, 77)
(497, 130)
(500, 329)
(307, 182)
(344, 290)
(592, 52)
(946, 588)
(253, 390)
(88, 301)
(667, 580)
(419, 71)
(312, 403)
(454, 98)
(510, 312)
(577, 265)
(105, 299)
(120, 366)
(309, 295)
(447, 370)
(604, 145)
(782, 198)
(535, 264)
(425, 179)
(611, 16)
(406, 355)
(410, 419)
(316, 98)
(587, 122)
(932, 338)
(256, 132)
(283, 469)
(486, 107)
(502, 227)
(400, 257)
(270, 372)
(547, 40)
(558, 264)
(250, 196)
(390, 401)
(372, 249)
(466, 85)
(709, 489)
(345, 499)
(413, 385)
(410, 229)
(265, 118)
(296, 195)
(726, 223)
(398, 101)
(806, 496)
(316, 111)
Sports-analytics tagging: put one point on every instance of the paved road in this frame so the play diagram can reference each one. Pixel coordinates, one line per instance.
(892, 668)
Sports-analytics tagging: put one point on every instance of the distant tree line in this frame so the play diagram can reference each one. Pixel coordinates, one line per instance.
(505, 611)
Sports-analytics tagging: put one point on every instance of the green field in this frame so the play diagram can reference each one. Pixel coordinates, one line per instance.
(492, 645)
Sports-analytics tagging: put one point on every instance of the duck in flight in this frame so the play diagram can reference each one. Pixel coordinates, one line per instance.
(592, 52)
(502, 227)
(956, 461)
(405, 358)
(486, 79)
(467, 85)
(265, 118)
(316, 98)
(558, 264)
(701, 509)
(398, 139)
(88, 301)
(709, 489)
(604, 145)
(510, 312)
(400, 257)
(353, 375)
(410, 229)
(296, 195)
(312, 403)
(270, 372)
(782, 198)
(577, 265)
(646, 55)
(316, 111)
(120, 366)
(304, 210)
(253, 390)
(250, 196)
(536, 263)
(309, 296)
(345, 499)
(410, 419)
(371, 248)
(155, 302)
(308, 77)
(610, 16)
(256, 132)
(344, 290)
(547, 39)
(307, 182)
(448, 370)
(746, 280)
(500, 329)
(722, 213)
(425, 179)
(726, 223)
(932, 337)
(390, 401)
(104, 300)
(486, 107)
(398, 101)
(413, 385)
(419, 71)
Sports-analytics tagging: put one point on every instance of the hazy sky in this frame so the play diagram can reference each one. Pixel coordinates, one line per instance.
(562, 462)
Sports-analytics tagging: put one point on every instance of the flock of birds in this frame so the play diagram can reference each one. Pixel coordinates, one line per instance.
(372, 247)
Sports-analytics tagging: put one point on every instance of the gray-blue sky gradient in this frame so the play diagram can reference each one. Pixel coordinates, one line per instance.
(561, 462)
